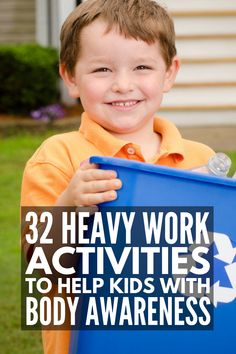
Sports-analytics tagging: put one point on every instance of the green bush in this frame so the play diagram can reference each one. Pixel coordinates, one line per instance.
(28, 77)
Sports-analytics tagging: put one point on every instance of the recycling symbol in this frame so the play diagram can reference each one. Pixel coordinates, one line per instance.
(224, 287)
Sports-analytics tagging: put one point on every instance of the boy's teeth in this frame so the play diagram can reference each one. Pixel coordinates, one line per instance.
(124, 104)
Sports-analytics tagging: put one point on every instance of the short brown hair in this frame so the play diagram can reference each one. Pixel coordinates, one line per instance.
(139, 19)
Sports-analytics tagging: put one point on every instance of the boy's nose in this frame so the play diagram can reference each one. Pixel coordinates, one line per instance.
(122, 83)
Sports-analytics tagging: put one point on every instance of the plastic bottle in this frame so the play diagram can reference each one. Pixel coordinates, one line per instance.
(218, 165)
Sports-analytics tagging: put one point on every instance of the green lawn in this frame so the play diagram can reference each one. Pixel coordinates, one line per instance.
(232, 155)
(14, 152)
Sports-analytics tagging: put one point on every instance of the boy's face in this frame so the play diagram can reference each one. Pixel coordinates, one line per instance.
(119, 80)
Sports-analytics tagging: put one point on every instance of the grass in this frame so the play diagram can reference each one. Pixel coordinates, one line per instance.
(232, 155)
(15, 150)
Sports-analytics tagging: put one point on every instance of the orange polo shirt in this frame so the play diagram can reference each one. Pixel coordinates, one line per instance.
(52, 166)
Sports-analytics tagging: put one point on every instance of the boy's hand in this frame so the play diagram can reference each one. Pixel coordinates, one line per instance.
(90, 186)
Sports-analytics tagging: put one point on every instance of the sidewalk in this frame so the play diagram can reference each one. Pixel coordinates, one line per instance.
(219, 138)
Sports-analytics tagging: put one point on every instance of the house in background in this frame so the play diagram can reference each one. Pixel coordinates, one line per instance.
(205, 91)
(33, 20)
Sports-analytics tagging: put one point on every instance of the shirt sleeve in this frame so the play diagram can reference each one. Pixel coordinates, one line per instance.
(41, 185)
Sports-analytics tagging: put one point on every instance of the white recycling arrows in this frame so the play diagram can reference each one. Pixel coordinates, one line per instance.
(222, 294)
(226, 253)
(231, 272)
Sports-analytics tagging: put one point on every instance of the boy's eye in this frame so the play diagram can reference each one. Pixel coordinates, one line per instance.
(143, 67)
(101, 70)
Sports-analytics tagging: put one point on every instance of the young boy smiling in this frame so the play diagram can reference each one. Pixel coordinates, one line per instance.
(119, 58)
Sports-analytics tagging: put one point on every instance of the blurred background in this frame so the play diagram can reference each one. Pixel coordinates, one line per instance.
(34, 105)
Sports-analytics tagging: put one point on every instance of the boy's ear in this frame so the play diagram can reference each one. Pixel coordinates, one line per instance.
(69, 81)
(171, 73)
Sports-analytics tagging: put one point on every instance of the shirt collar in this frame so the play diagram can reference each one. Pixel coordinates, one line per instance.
(171, 144)
(101, 138)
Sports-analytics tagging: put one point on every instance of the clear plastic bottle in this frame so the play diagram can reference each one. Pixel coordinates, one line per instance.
(218, 165)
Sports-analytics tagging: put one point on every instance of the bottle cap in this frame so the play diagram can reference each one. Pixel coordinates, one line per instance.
(219, 164)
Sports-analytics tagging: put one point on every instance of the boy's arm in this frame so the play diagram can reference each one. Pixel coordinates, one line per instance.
(45, 185)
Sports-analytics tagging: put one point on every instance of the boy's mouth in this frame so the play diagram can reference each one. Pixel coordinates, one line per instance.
(124, 104)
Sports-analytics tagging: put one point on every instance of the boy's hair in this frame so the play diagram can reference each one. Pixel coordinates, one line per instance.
(139, 19)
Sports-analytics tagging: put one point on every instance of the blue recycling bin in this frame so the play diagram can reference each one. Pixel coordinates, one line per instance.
(150, 185)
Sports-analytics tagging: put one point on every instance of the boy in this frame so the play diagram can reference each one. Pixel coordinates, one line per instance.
(119, 57)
